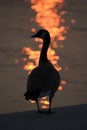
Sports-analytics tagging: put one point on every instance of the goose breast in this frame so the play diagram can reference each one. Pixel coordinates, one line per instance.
(44, 77)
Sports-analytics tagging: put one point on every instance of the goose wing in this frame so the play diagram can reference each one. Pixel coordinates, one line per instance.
(34, 80)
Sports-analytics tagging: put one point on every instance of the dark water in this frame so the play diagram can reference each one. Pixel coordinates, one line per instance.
(14, 34)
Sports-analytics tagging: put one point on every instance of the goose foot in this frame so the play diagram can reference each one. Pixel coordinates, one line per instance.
(49, 112)
(39, 111)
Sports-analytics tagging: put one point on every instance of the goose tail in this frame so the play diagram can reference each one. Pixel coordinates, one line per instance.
(33, 95)
(27, 95)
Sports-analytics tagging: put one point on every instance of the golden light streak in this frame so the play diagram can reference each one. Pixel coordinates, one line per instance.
(16, 61)
(60, 88)
(44, 102)
(45, 107)
(63, 82)
(49, 17)
(73, 21)
(33, 30)
(43, 98)
(32, 101)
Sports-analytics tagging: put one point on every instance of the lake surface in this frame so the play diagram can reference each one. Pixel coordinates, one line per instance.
(14, 35)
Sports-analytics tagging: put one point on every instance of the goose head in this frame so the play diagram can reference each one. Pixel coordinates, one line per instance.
(43, 34)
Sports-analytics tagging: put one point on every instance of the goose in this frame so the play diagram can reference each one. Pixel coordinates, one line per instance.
(44, 79)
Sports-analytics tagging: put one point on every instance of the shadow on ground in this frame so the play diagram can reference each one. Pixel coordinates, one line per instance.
(64, 118)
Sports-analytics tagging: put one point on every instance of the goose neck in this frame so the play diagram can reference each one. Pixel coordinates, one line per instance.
(43, 55)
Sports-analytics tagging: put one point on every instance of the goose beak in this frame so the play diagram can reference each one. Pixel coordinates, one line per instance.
(33, 36)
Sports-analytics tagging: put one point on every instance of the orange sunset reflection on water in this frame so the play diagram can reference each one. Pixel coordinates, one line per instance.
(48, 16)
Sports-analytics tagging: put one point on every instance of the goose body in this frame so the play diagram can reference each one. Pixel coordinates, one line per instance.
(44, 79)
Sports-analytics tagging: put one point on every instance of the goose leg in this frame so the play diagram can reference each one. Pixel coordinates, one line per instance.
(39, 111)
(50, 102)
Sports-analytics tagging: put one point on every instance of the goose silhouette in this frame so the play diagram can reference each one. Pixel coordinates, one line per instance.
(44, 79)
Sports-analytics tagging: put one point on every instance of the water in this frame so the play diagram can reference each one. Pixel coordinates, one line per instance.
(14, 34)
